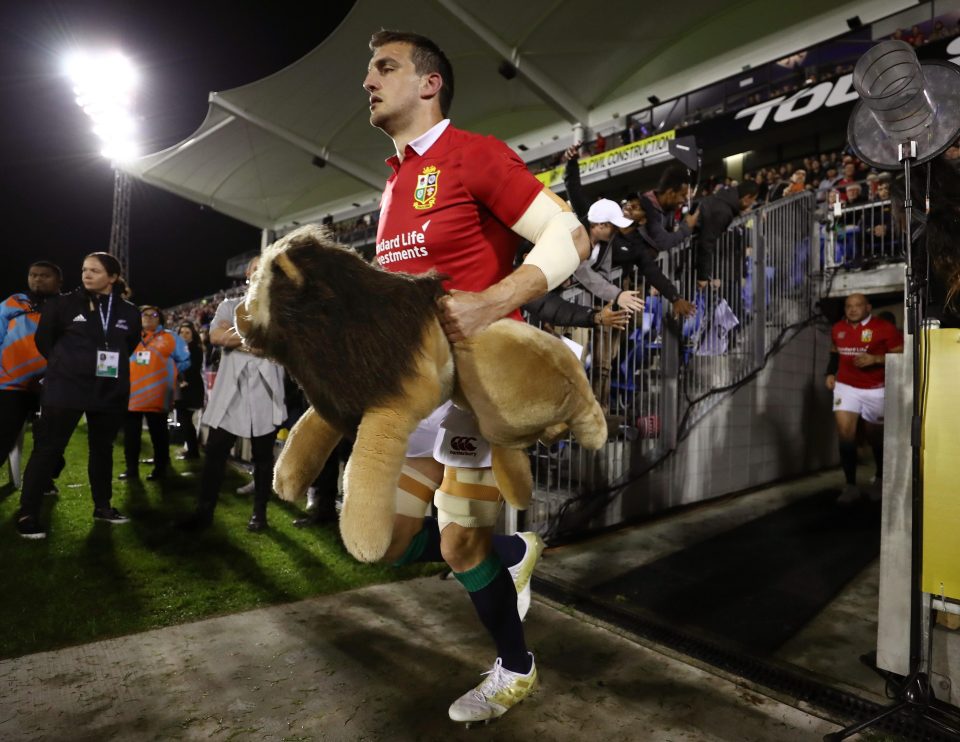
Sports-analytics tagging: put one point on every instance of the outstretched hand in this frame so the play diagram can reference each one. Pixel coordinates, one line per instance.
(610, 317)
(631, 300)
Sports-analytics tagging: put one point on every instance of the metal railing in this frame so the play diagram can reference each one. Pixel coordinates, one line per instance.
(661, 374)
(860, 236)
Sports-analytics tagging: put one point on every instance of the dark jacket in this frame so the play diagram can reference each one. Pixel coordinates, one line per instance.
(191, 394)
(622, 250)
(716, 214)
(634, 250)
(657, 223)
(551, 308)
(69, 335)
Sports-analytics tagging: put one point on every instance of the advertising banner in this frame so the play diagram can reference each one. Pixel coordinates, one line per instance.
(634, 153)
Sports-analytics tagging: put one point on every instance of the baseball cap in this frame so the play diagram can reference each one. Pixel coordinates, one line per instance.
(606, 210)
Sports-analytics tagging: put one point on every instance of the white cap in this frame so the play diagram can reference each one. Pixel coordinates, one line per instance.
(606, 210)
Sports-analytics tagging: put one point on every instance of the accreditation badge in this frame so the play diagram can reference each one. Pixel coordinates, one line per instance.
(108, 364)
(143, 358)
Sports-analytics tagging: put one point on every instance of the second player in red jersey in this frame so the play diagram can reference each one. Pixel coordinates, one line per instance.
(871, 336)
(856, 376)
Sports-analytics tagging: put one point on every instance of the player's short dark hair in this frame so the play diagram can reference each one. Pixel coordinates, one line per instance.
(673, 179)
(49, 266)
(427, 58)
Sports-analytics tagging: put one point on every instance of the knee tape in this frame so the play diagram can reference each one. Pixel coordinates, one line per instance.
(468, 497)
(414, 492)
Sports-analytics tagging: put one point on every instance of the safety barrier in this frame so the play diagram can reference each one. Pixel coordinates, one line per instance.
(860, 236)
(661, 373)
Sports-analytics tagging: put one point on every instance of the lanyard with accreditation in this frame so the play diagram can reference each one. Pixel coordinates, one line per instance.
(108, 361)
(143, 356)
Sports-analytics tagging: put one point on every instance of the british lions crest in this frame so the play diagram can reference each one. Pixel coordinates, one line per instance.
(428, 182)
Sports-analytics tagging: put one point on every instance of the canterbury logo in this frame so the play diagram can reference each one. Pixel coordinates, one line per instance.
(463, 444)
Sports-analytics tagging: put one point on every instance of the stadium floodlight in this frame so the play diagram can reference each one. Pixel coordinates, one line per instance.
(104, 84)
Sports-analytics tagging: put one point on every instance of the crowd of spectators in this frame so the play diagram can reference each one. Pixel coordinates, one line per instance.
(794, 76)
(119, 365)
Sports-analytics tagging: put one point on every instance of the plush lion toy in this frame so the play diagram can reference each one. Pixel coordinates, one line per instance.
(367, 348)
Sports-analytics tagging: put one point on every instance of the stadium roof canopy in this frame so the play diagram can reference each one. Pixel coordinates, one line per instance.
(296, 145)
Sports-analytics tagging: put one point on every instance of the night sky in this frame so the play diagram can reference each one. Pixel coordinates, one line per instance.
(57, 192)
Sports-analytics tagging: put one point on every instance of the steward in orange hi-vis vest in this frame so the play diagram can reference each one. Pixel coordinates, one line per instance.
(154, 365)
(21, 364)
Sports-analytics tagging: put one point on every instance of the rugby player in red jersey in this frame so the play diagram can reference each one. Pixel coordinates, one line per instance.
(855, 375)
(459, 203)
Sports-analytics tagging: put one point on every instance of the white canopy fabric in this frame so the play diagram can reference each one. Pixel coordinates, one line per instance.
(253, 156)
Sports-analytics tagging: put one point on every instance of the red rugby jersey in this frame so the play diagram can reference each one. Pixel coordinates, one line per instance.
(451, 209)
(874, 336)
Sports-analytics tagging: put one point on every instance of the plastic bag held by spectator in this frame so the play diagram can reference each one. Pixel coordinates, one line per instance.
(369, 351)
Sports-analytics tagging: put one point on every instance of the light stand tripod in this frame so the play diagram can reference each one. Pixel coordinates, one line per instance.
(915, 695)
(900, 113)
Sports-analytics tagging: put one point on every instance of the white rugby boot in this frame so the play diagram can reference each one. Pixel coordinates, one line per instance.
(499, 691)
(522, 571)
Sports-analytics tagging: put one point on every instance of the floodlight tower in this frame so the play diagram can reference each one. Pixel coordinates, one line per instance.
(104, 84)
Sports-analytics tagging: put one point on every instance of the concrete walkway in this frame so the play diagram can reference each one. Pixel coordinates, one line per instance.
(380, 663)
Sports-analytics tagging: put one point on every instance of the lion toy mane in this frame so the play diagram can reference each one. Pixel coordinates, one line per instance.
(368, 350)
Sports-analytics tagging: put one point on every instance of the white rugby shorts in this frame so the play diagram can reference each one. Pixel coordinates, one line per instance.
(868, 403)
(451, 436)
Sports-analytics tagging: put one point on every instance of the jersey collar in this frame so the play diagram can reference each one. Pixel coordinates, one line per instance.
(422, 143)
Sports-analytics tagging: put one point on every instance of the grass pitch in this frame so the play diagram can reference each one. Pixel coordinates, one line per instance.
(89, 580)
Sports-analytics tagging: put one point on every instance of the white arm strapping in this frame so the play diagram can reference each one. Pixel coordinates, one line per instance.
(550, 229)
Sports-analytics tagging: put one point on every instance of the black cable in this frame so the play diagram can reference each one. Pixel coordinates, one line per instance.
(598, 499)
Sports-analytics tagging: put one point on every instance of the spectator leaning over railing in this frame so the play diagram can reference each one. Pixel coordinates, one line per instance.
(717, 212)
(659, 205)
(616, 244)
(190, 390)
(603, 219)
(154, 364)
(21, 365)
(86, 337)
(633, 248)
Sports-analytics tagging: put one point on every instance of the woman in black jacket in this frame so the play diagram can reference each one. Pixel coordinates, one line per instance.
(87, 337)
(191, 389)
